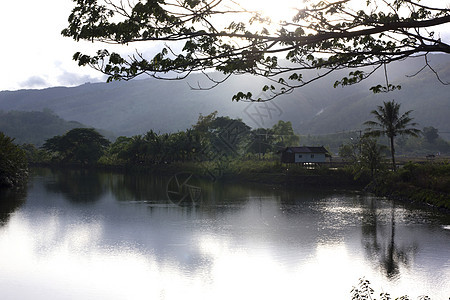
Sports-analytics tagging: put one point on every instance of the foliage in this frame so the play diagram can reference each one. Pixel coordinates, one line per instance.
(153, 148)
(432, 176)
(364, 155)
(390, 123)
(372, 155)
(79, 145)
(284, 135)
(422, 183)
(431, 134)
(349, 152)
(13, 163)
(263, 141)
(421, 147)
(223, 135)
(255, 166)
(322, 35)
(364, 292)
(34, 154)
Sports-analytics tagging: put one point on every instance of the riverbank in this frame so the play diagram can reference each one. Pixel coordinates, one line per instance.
(418, 183)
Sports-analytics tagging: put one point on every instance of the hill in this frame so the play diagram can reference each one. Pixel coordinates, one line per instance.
(134, 107)
(35, 127)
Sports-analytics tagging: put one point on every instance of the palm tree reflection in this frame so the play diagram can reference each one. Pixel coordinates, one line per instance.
(379, 240)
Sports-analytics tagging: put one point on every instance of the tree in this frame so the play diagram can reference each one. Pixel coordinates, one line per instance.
(284, 135)
(79, 145)
(34, 154)
(13, 163)
(221, 136)
(372, 155)
(263, 141)
(431, 134)
(349, 152)
(363, 155)
(193, 36)
(117, 150)
(391, 124)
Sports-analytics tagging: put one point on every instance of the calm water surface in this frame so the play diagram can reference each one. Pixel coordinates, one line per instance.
(91, 235)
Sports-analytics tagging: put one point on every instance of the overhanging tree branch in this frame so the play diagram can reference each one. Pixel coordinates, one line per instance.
(325, 36)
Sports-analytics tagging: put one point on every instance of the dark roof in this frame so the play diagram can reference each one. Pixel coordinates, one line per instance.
(306, 150)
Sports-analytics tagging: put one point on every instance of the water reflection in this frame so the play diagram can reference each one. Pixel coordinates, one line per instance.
(82, 186)
(138, 187)
(379, 240)
(243, 241)
(10, 201)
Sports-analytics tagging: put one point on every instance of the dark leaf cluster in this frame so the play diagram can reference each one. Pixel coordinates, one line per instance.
(80, 146)
(13, 163)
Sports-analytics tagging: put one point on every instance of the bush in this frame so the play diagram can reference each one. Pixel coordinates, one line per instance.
(364, 292)
(427, 183)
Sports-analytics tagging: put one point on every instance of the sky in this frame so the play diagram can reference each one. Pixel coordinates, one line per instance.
(35, 54)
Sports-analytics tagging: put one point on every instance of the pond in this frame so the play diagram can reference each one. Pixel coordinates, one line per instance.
(99, 235)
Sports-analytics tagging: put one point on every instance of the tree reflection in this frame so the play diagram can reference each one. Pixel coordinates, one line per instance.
(369, 230)
(379, 240)
(139, 187)
(80, 186)
(10, 201)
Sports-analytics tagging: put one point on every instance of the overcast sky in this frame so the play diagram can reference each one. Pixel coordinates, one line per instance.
(33, 52)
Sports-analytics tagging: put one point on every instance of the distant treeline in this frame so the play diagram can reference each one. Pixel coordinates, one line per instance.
(212, 138)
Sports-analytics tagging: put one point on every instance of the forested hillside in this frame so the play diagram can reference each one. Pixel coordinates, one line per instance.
(134, 107)
(34, 127)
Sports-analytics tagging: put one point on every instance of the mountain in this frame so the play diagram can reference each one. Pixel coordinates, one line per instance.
(134, 107)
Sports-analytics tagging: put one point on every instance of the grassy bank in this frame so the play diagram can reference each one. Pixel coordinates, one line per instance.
(424, 183)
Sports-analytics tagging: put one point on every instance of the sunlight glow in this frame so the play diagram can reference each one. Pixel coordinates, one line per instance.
(277, 11)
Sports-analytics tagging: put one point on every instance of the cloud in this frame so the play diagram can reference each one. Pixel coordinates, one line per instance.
(34, 82)
(71, 79)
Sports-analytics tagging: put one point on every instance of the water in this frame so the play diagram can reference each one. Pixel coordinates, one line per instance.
(92, 235)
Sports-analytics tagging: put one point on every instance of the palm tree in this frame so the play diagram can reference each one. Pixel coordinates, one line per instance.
(390, 123)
